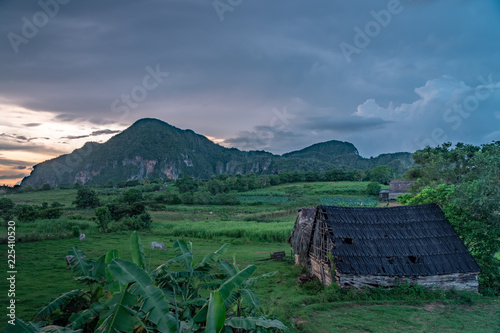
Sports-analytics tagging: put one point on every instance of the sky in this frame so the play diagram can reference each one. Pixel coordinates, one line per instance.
(387, 76)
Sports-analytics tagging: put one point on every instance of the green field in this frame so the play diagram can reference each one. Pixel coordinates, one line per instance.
(253, 230)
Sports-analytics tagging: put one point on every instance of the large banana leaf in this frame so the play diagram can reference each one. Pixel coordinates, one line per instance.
(98, 270)
(57, 303)
(114, 286)
(250, 298)
(183, 249)
(157, 307)
(119, 317)
(58, 329)
(127, 272)
(227, 268)
(21, 326)
(212, 257)
(236, 281)
(154, 302)
(254, 280)
(79, 264)
(226, 288)
(216, 313)
(36, 327)
(251, 323)
(81, 318)
(137, 250)
(186, 257)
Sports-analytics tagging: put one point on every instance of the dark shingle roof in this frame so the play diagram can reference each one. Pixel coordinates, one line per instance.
(396, 241)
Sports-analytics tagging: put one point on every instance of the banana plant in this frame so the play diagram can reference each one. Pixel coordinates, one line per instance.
(126, 297)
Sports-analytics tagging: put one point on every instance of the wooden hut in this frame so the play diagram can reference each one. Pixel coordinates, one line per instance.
(396, 187)
(369, 247)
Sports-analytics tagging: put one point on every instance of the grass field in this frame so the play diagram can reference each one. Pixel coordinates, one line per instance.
(42, 275)
(253, 231)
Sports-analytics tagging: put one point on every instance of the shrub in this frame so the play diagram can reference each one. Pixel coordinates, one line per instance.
(168, 198)
(50, 213)
(86, 198)
(138, 222)
(76, 231)
(103, 217)
(132, 195)
(373, 188)
(26, 213)
(45, 187)
(6, 209)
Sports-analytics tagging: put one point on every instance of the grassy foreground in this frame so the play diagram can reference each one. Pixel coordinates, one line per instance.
(42, 276)
(253, 230)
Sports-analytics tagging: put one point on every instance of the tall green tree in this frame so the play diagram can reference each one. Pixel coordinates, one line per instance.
(86, 198)
(465, 181)
(6, 209)
(381, 174)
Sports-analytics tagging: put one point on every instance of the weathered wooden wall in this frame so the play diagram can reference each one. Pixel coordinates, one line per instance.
(321, 270)
(458, 281)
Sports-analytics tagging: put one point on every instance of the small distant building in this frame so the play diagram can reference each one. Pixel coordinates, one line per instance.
(396, 187)
(371, 247)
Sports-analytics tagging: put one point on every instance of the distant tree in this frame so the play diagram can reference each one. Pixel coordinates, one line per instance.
(214, 186)
(103, 217)
(381, 174)
(26, 213)
(201, 198)
(358, 175)
(50, 213)
(45, 187)
(27, 188)
(86, 198)
(274, 180)
(186, 184)
(109, 184)
(373, 188)
(138, 222)
(56, 204)
(464, 182)
(6, 209)
(132, 195)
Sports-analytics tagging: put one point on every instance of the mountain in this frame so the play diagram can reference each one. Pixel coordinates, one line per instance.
(152, 148)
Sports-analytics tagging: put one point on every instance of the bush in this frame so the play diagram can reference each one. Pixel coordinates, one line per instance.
(117, 226)
(132, 195)
(50, 213)
(86, 198)
(26, 213)
(373, 188)
(45, 187)
(168, 198)
(6, 209)
(103, 217)
(138, 222)
(76, 231)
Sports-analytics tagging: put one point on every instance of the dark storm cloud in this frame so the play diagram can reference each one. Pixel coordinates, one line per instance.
(262, 55)
(29, 148)
(19, 175)
(94, 133)
(105, 131)
(343, 125)
(20, 138)
(17, 163)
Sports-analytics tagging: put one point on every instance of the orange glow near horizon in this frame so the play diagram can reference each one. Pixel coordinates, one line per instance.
(29, 137)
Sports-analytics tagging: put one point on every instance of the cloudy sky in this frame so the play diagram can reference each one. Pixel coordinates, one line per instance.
(386, 75)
